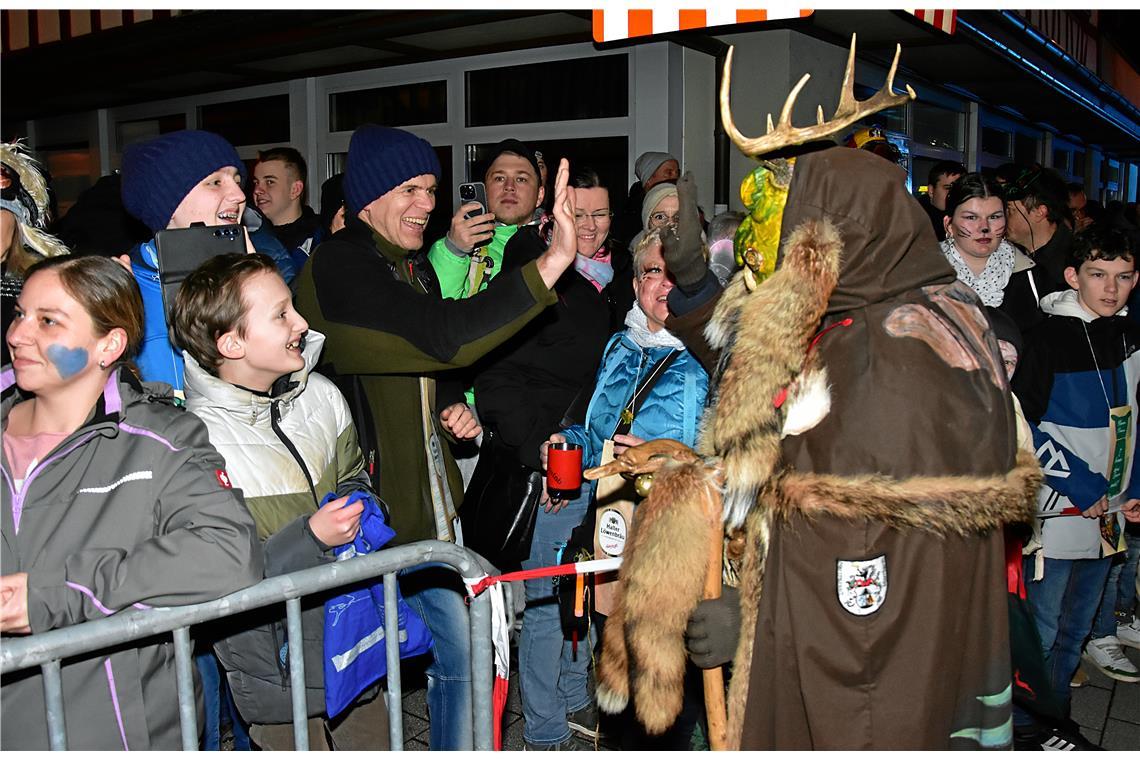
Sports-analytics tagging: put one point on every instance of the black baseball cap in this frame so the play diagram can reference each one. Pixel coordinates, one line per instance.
(519, 148)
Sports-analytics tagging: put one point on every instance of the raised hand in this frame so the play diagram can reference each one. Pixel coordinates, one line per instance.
(563, 247)
(682, 247)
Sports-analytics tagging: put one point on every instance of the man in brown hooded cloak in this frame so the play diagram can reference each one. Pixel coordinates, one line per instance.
(870, 457)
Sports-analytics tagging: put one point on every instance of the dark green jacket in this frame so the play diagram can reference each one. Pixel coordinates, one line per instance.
(385, 322)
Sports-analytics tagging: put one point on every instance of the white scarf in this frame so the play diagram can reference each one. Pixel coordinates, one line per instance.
(640, 333)
(990, 284)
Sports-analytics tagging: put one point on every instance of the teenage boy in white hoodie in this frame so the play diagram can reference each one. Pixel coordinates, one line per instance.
(1077, 383)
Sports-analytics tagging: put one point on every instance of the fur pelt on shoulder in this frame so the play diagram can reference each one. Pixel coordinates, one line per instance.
(763, 338)
(666, 558)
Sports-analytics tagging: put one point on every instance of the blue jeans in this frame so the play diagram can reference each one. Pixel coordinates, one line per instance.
(552, 679)
(218, 702)
(1063, 604)
(437, 596)
(1120, 592)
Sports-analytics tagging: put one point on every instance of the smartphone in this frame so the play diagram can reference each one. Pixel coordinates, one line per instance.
(182, 251)
(473, 191)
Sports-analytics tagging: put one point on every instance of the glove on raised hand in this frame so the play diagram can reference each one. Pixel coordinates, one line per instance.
(683, 249)
(714, 629)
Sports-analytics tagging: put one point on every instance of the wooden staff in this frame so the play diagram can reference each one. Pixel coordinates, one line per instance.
(647, 459)
(715, 707)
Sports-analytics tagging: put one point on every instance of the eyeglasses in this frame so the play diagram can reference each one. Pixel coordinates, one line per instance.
(597, 216)
(662, 218)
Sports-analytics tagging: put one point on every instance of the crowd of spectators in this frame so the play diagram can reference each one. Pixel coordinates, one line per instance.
(161, 453)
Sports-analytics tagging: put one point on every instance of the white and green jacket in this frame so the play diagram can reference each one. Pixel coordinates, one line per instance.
(286, 450)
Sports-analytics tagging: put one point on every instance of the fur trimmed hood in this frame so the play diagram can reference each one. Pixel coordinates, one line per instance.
(26, 197)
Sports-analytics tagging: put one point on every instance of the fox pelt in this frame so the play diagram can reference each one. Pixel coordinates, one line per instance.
(662, 577)
(763, 337)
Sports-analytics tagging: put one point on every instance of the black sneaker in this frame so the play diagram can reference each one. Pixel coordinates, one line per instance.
(584, 722)
(571, 744)
(1053, 740)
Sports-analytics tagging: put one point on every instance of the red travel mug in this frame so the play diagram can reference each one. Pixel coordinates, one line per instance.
(563, 470)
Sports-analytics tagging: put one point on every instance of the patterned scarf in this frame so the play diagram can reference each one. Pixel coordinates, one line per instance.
(598, 270)
(990, 284)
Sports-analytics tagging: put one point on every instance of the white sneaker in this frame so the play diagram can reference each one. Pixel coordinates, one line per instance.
(1129, 634)
(1105, 655)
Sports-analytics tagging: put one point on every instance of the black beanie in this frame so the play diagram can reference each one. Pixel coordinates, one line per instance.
(159, 173)
(381, 158)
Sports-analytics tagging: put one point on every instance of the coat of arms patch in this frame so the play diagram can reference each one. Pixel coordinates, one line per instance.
(862, 584)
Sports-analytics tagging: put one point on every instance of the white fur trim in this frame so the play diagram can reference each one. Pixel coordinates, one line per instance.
(809, 402)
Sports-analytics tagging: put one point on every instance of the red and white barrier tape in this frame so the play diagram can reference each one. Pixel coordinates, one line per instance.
(476, 586)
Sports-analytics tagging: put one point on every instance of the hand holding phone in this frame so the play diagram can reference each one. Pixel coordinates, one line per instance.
(472, 226)
(181, 251)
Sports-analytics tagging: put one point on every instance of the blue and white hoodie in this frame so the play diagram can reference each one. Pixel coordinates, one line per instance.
(1074, 368)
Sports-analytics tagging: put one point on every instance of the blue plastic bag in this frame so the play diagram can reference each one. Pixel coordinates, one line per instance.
(354, 656)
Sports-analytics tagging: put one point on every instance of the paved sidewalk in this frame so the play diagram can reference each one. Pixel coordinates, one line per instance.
(1107, 711)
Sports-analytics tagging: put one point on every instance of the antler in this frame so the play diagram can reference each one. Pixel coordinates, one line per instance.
(847, 112)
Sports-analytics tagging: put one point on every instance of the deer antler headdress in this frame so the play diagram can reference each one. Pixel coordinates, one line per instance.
(765, 190)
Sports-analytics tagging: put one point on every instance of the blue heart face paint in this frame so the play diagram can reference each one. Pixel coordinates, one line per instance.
(67, 361)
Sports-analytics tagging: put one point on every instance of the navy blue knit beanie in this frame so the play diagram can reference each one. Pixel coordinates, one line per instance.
(159, 173)
(381, 158)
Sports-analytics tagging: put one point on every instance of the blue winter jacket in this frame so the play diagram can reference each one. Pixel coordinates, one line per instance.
(671, 410)
(158, 360)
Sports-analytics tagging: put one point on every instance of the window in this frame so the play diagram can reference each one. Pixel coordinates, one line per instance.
(71, 167)
(1024, 149)
(258, 121)
(138, 130)
(584, 88)
(396, 106)
(892, 119)
(937, 127)
(996, 141)
(1061, 160)
(1078, 167)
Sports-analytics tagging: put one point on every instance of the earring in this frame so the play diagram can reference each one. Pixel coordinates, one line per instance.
(102, 364)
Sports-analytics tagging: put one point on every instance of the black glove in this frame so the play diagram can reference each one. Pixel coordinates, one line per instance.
(682, 246)
(714, 629)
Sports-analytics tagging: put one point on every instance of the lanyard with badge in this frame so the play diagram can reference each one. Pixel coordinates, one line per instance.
(1120, 443)
(615, 495)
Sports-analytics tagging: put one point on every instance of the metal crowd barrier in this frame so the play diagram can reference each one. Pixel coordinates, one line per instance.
(48, 649)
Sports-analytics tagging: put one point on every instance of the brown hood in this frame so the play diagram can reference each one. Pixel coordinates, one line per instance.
(889, 246)
(916, 382)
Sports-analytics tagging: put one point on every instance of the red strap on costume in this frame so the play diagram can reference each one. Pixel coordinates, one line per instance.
(1014, 570)
(782, 396)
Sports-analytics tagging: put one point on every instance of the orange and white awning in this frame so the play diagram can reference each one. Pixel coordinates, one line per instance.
(945, 20)
(620, 24)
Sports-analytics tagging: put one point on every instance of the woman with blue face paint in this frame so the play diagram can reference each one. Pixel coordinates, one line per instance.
(115, 499)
